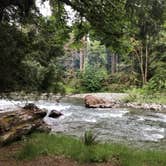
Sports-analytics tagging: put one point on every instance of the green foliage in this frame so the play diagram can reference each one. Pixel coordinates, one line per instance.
(120, 82)
(133, 29)
(116, 88)
(91, 79)
(15, 10)
(29, 54)
(13, 47)
(134, 95)
(96, 54)
(89, 138)
(46, 144)
(147, 20)
(142, 95)
(74, 86)
(125, 78)
(80, 29)
(158, 82)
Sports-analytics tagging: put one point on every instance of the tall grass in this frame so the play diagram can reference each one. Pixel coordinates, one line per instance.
(89, 138)
(143, 96)
(45, 144)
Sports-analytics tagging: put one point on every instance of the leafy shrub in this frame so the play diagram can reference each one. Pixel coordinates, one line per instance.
(133, 95)
(73, 86)
(58, 87)
(92, 79)
(124, 78)
(117, 88)
(157, 83)
(142, 95)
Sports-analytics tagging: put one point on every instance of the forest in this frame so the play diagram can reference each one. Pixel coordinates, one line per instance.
(124, 41)
(109, 54)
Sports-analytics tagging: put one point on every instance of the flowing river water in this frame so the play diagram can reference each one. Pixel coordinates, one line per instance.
(143, 129)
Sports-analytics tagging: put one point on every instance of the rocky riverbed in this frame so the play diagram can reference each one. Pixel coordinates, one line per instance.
(132, 126)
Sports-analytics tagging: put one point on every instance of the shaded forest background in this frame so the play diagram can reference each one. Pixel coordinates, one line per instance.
(110, 46)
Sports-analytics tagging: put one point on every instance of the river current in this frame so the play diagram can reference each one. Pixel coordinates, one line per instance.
(143, 129)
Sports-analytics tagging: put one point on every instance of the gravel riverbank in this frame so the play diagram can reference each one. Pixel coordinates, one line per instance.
(118, 98)
(114, 97)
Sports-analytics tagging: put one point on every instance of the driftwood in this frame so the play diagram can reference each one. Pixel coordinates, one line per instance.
(15, 124)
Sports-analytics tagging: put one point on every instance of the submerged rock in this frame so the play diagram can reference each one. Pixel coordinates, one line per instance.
(55, 114)
(15, 124)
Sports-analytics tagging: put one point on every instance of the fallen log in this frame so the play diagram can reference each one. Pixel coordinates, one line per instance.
(20, 122)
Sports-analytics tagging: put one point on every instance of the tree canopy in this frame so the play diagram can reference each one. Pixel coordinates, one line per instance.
(131, 34)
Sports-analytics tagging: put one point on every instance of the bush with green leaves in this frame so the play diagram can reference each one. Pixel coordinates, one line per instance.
(157, 83)
(142, 95)
(92, 79)
(124, 78)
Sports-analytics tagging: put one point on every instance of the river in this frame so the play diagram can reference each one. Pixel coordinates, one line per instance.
(139, 128)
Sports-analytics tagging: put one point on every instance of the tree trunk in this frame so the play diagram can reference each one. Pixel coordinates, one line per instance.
(113, 63)
(83, 53)
(108, 65)
(112, 60)
(1, 14)
(139, 55)
(142, 67)
(117, 62)
(82, 60)
(146, 63)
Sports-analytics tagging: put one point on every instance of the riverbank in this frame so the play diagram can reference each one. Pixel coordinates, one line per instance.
(127, 100)
(114, 97)
(51, 149)
(59, 150)
(124, 100)
(7, 158)
(8, 153)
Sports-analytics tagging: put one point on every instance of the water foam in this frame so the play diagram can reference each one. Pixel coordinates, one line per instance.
(113, 114)
(153, 133)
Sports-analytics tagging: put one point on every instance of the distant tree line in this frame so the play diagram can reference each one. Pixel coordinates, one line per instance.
(132, 32)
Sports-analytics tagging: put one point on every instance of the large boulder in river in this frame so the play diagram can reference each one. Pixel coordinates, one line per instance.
(19, 122)
(55, 114)
(95, 102)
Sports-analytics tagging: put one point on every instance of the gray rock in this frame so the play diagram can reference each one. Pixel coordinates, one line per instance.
(55, 114)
